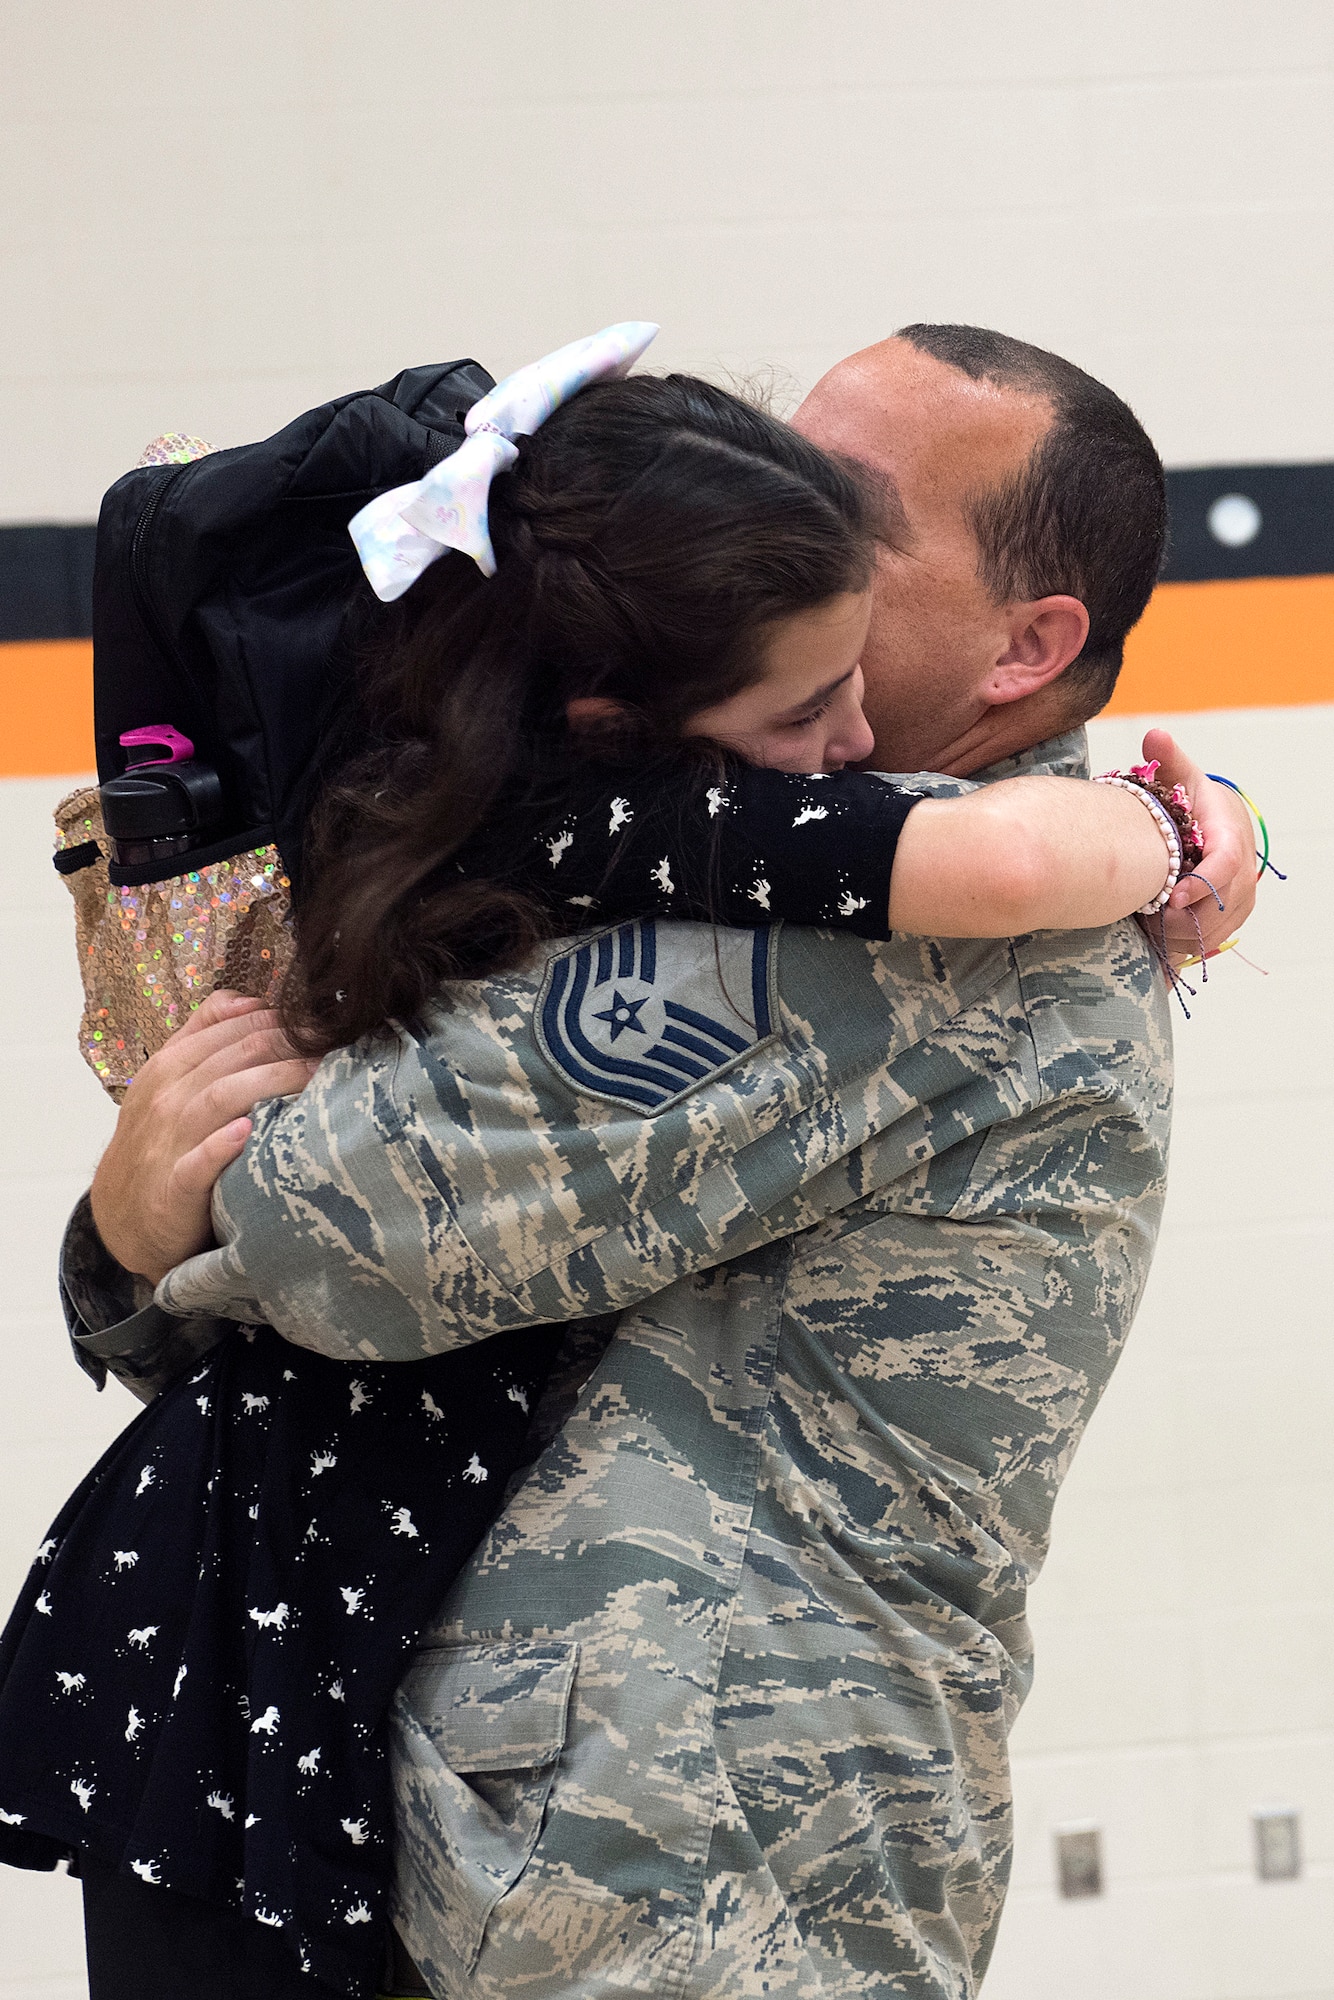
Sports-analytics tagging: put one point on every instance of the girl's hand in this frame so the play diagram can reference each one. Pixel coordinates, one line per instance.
(1229, 855)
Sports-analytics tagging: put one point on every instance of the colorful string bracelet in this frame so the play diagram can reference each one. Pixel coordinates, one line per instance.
(1262, 852)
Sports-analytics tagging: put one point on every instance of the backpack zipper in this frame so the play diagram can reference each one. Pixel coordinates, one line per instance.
(138, 567)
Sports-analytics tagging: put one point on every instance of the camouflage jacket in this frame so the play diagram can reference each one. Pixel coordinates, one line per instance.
(721, 1703)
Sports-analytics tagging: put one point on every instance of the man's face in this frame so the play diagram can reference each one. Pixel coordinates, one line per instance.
(936, 633)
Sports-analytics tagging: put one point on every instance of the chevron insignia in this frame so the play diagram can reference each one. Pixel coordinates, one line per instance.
(646, 1013)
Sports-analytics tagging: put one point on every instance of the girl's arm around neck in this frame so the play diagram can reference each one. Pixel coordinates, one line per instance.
(1027, 854)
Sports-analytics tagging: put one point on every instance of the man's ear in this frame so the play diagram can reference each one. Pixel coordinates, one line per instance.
(1044, 636)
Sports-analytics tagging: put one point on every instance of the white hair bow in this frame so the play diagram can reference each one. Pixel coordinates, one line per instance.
(401, 533)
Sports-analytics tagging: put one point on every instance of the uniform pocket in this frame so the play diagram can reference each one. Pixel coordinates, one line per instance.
(478, 1732)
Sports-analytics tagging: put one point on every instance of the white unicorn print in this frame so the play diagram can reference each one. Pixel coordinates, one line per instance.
(621, 815)
(139, 1635)
(310, 1763)
(44, 1605)
(322, 1461)
(83, 1792)
(277, 1617)
(475, 1470)
(125, 1558)
(147, 1872)
(808, 813)
(181, 1672)
(432, 1408)
(11, 1819)
(352, 1598)
(266, 1724)
(133, 1726)
(402, 1523)
(253, 1403)
(267, 1917)
(662, 875)
(71, 1683)
(356, 1831)
(358, 1914)
(360, 1397)
(220, 1803)
(515, 1394)
(47, 1550)
(147, 1478)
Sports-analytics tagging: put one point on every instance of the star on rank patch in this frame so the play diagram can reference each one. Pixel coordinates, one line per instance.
(643, 1016)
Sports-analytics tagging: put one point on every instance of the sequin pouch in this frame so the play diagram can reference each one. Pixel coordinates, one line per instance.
(150, 955)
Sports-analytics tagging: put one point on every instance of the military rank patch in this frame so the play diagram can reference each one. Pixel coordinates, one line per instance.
(643, 1015)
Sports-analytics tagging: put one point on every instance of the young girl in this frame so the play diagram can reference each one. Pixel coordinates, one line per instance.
(634, 692)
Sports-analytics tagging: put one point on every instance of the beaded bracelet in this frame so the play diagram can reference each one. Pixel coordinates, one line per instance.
(1166, 826)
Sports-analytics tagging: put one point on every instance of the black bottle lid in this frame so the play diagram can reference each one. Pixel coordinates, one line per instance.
(161, 801)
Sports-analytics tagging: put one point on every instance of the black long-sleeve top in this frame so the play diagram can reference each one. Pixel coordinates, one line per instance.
(743, 848)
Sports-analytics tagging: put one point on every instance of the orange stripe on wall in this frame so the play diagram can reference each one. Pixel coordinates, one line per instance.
(46, 708)
(1252, 642)
(1257, 642)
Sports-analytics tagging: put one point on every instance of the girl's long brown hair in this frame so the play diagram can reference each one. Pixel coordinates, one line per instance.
(647, 539)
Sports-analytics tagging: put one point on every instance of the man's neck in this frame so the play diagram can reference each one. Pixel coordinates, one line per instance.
(995, 735)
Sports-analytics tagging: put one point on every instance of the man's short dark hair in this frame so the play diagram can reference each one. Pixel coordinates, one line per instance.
(1087, 515)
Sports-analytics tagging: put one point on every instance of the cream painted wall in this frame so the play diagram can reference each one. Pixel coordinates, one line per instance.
(213, 216)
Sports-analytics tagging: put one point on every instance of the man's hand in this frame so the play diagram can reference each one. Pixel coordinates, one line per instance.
(183, 1120)
(1229, 857)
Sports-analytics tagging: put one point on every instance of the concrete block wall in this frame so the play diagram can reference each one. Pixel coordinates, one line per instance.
(1185, 1619)
(213, 217)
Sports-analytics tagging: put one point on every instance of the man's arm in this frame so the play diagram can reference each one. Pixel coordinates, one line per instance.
(430, 1192)
(115, 1326)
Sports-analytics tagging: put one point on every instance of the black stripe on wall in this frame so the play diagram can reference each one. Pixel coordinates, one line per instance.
(1250, 520)
(1227, 521)
(46, 582)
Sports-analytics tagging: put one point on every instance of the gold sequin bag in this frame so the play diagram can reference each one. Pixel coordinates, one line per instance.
(150, 955)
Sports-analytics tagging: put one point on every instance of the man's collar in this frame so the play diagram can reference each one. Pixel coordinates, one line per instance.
(1065, 756)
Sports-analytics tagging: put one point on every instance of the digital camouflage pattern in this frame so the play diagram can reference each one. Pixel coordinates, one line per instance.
(721, 1704)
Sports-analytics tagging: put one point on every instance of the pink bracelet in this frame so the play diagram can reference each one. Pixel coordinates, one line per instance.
(1166, 826)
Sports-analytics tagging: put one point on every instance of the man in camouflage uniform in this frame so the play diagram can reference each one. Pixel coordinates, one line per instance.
(722, 1702)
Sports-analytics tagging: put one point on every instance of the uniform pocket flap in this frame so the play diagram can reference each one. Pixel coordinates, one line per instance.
(493, 1708)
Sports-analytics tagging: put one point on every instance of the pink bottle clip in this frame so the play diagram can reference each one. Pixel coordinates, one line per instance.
(177, 747)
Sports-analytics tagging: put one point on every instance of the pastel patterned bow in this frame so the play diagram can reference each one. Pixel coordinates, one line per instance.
(402, 532)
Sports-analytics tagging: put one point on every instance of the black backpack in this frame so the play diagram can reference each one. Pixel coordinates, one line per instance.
(227, 603)
(221, 594)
